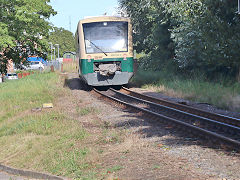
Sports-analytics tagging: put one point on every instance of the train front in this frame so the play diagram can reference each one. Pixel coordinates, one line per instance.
(108, 54)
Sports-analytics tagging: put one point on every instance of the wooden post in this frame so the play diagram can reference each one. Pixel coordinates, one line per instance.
(52, 68)
(62, 67)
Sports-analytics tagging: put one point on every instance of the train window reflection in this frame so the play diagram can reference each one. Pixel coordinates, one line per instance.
(106, 37)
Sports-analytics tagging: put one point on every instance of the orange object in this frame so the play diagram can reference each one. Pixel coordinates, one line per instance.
(19, 75)
(24, 74)
(52, 68)
(160, 145)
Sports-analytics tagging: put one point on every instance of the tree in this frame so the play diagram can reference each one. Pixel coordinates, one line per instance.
(206, 35)
(64, 38)
(23, 30)
(151, 31)
(200, 35)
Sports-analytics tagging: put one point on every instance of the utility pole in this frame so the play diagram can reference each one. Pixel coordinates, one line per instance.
(51, 49)
(70, 24)
(54, 53)
(58, 50)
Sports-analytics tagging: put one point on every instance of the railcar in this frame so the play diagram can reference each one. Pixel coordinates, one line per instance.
(69, 56)
(104, 50)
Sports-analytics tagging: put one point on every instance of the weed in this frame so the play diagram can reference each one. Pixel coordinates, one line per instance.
(86, 110)
(100, 151)
(26, 93)
(126, 151)
(114, 169)
(221, 94)
(110, 137)
(156, 167)
(47, 140)
(70, 67)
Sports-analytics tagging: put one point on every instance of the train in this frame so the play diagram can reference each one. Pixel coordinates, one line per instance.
(69, 56)
(104, 50)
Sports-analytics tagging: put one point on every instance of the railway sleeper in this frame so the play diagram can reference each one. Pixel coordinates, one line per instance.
(206, 134)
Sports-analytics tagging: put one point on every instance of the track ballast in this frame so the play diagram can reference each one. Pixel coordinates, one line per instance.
(219, 129)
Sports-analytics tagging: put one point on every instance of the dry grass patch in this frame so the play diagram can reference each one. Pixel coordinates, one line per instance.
(223, 94)
(165, 90)
(83, 111)
(71, 139)
(68, 140)
(70, 67)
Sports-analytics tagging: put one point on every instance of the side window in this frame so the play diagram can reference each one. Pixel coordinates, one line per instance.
(78, 45)
(77, 42)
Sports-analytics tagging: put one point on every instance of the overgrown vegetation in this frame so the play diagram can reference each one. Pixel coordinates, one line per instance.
(70, 67)
(29, 92)
(222, 93)
(187, 36)
(191, 47)
(47, 140)
(67, 140)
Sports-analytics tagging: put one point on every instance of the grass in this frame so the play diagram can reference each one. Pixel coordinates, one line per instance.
(86, 110)
(27, 93)
(221, 94)
(52, 140)
(114, 169)
(70, 67)
(46, 141)
(110, 137)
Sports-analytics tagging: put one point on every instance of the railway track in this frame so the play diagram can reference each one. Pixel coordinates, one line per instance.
(219, 129)
(192, 110)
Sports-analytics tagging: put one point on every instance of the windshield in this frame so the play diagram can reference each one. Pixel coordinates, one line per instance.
(106, 37)
(34, 63)
(11, 74)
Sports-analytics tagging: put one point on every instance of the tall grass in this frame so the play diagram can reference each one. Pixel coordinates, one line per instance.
(45, 141)
(52, 140)
(223, 94)
(29, 92)
(70, 67)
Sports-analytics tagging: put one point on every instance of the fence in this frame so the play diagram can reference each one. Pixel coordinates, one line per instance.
(56, 64)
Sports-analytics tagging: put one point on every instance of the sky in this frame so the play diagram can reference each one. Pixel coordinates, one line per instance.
(71, 11)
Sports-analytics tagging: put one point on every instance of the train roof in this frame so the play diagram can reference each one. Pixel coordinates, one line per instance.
(103, 18)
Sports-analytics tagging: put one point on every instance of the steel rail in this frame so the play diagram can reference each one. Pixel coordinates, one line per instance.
(225, 127)
(192, 110)
(194, 129)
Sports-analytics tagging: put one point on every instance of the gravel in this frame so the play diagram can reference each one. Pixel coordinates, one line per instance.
(159, 151)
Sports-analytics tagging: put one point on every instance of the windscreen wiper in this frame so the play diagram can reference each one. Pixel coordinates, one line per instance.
(97, 47)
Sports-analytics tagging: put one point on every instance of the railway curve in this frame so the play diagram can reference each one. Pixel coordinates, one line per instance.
(219, 129)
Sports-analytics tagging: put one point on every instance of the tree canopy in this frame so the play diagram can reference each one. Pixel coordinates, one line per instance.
(64, 38)
(194, 35)
(151, 34)
(23, 30)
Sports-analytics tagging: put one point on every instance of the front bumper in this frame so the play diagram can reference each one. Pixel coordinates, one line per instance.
(96, 79)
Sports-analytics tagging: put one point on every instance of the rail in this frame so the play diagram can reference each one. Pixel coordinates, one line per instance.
(222, 132)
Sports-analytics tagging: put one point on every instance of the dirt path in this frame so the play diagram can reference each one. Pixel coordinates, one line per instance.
(130, 146)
